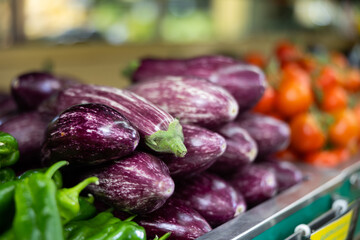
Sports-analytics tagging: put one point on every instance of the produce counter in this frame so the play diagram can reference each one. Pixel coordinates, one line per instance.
(278, 217)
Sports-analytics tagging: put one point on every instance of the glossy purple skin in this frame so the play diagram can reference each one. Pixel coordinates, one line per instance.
(255, 183)
(183, 222)
(286, 173)
(8, 108)
(31, 89)
(29, 130)
(216, 200)
(192, 100)
(143, 115)
(203, 148)
(241, 149)
(138, 184)
(245, 82)
(270, 134)
(89, 134)
(200, 66)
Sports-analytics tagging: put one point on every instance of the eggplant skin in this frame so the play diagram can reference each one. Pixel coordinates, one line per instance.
(160, 131)
(7, 106)
(245, 82)
(271, 135)
(174, 216)
(31, 89)
(241, 149)
(29, 130)
(89, 134)
(192, 100)
(214, 198)
(255, 183)
(286, 173)
(138, 184)
(203, 148)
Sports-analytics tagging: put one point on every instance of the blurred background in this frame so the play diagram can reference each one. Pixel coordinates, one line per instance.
(95, 39)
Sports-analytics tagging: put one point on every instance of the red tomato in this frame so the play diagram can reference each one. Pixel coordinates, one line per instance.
(326, 159)
(293, 98)
(255, 58)
(345, 129)
(328, 77)
(286, 51)
(306, 134)
(334, 98)
(352, 80)
(266, 103)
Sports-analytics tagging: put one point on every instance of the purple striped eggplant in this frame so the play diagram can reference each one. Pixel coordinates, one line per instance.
(241, 149)
(192, 100)
(286, 173)
(89, 134)
(255, 183)
(245, 82)
(216, 200)
(201, 67)
(29, 130)
(8, 107)
(138, 184)
(203, 148)
(31, 89)
(183, 222)
(161, 132)
(270, 134)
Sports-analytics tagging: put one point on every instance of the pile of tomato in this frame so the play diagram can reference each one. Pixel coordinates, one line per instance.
(319, 96)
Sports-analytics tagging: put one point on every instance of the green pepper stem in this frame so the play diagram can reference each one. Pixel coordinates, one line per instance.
(51, 170)
(79, 187)
(163, 237)
(170, 141)
(130, 218)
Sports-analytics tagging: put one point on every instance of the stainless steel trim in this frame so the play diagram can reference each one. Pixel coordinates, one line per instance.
(262, 217)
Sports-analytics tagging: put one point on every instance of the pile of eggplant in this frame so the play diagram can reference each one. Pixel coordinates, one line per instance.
(180, 147)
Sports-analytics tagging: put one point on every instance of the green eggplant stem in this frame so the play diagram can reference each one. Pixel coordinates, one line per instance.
(170, 141)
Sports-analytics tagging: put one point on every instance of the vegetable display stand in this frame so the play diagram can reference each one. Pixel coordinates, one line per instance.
(301, 204)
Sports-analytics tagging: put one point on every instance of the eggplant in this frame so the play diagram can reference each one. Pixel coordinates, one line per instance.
(270, 134)
(245, 82)
(7, 105)
(8, 108)
(286, 173)
(203, 148)
(255, 183)
(192, 100)
(214, 198)
(160, 131)
(29, 130)
(89, 134)
(137, 184)
(241, 149)
(183, 222)
(31, 89)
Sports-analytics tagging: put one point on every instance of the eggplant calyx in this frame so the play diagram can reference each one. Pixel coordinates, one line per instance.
(170, 141)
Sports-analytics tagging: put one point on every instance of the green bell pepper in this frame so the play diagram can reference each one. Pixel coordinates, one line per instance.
(87, 209)
(68, 199)
(6, 175)
(7, 205)
(9, 150)
(57, 177)
(37, 216)
(104, 226)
